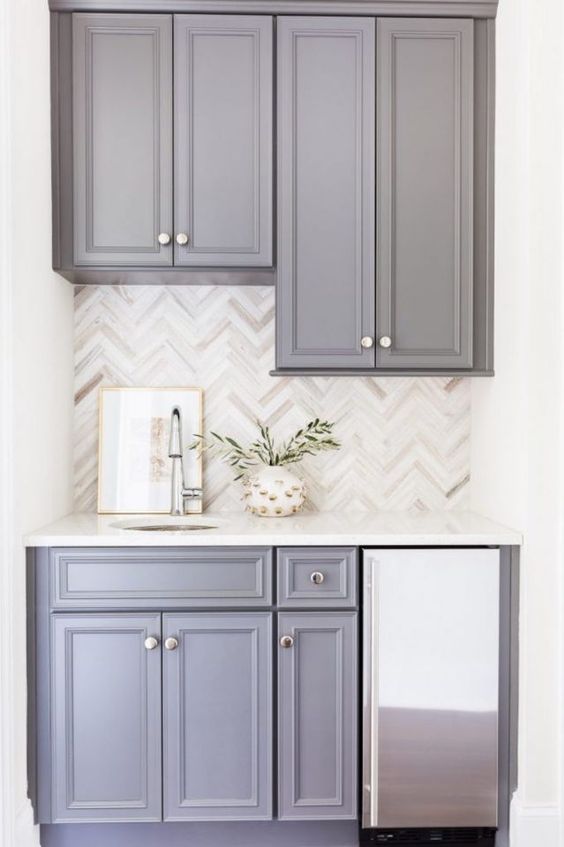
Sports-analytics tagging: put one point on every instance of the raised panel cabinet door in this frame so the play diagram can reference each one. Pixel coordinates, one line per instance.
(106, 726)
(325, 287)
(223, 140)
(217, 732)
(317, 716)
(122, 127)
(425, 193)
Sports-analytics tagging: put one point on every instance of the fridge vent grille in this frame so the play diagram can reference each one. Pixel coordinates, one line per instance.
(450, 837)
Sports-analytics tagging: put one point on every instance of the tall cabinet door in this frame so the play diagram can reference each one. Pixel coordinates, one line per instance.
(317, 708)
(223, 140)
(217, 716)
(325, 294)
(425, 178)
(122, 125)
(106, 707)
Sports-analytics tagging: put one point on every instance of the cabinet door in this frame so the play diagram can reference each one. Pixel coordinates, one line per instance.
(106, 706)
(425, 176)
(325, 294)
(317, 708)
(223, 139)
(122, 125)
(218, 716)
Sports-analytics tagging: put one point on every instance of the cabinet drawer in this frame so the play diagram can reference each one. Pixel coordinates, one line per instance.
(319, 576)
(174, 578)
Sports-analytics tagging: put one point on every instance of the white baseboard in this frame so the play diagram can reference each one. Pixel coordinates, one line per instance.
(534, 826)
(26, 833)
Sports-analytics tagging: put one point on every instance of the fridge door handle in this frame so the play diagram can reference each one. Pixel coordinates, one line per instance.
(370, 695)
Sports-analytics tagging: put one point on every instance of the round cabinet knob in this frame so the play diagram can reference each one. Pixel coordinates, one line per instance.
(385, 342)
(317, 577)
(286, 641)
(182, 239)
(164, 238)
(171, 643)
(367, 342)
(151, 642)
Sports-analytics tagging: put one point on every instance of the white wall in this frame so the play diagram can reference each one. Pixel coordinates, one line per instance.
(517, 469)
(37, 384)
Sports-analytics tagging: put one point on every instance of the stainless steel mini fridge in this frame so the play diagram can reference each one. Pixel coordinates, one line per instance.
(430, 687)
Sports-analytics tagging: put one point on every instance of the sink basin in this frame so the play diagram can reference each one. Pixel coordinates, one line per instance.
(163, 526)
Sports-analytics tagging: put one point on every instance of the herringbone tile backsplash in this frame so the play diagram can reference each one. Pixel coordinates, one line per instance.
(405, 441)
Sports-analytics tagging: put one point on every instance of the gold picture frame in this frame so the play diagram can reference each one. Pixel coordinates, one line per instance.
(133, 429)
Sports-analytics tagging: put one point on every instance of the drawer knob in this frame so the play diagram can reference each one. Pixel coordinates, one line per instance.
(317, 577)
(151, 642)
(163, 238)
(171, 643)
(182, 239)
(286, 641)
(385, 342)
(367, 342)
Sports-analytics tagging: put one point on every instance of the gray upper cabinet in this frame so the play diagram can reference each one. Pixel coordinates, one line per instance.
(217, 731)
(223, 139)
(122, 139)
(425, 183)
(382, 245)
(317, 705)
(106, 717)
(326, 194)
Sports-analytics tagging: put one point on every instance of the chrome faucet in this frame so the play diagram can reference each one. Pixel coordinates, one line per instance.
(179, 492)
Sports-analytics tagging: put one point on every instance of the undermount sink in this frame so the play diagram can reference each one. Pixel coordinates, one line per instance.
(163, 526)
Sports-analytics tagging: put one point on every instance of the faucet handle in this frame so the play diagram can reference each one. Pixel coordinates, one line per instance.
(192, 493)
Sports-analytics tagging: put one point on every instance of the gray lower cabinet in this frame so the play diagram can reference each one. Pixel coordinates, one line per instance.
(326, 192)
(106, 717)
(223, 139)
(217, 691)
(317, 720)
(425, 76)
(121, 139)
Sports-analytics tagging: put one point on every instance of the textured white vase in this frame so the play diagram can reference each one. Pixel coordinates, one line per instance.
(274, 492)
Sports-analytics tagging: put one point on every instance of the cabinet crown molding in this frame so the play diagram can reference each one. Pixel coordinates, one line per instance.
(445, 8)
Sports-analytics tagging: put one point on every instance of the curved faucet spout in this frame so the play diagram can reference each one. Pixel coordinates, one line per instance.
(175, 440)
(179, 493)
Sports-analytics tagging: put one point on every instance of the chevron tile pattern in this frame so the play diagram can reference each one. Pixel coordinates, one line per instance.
(406, 441)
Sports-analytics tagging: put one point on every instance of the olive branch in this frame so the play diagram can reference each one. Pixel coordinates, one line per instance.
(314, 438)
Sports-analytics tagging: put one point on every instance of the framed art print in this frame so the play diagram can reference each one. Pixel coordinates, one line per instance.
(134, 469)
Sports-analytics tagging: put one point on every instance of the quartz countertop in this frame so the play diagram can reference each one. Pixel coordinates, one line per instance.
(362, 529)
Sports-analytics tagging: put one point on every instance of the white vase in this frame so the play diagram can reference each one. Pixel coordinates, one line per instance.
(274, 492)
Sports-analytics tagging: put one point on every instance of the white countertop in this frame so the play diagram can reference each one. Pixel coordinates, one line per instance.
(363, 529)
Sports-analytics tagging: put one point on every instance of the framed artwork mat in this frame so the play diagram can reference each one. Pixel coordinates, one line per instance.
(134, 470)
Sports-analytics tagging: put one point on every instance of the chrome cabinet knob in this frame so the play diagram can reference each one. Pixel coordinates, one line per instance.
(151, 642)
(182, 239)
(286, 641)
(317, 577)
(163, 238)
(385, 342)
(367, 342)
(171, 643)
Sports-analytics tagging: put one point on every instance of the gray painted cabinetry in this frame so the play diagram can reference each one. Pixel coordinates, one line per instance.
(317, 682)
(136, 202)
(326, 191)
(164, 158)
(122, 138)
(405, 299)
(148, 658)
(106, 713)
